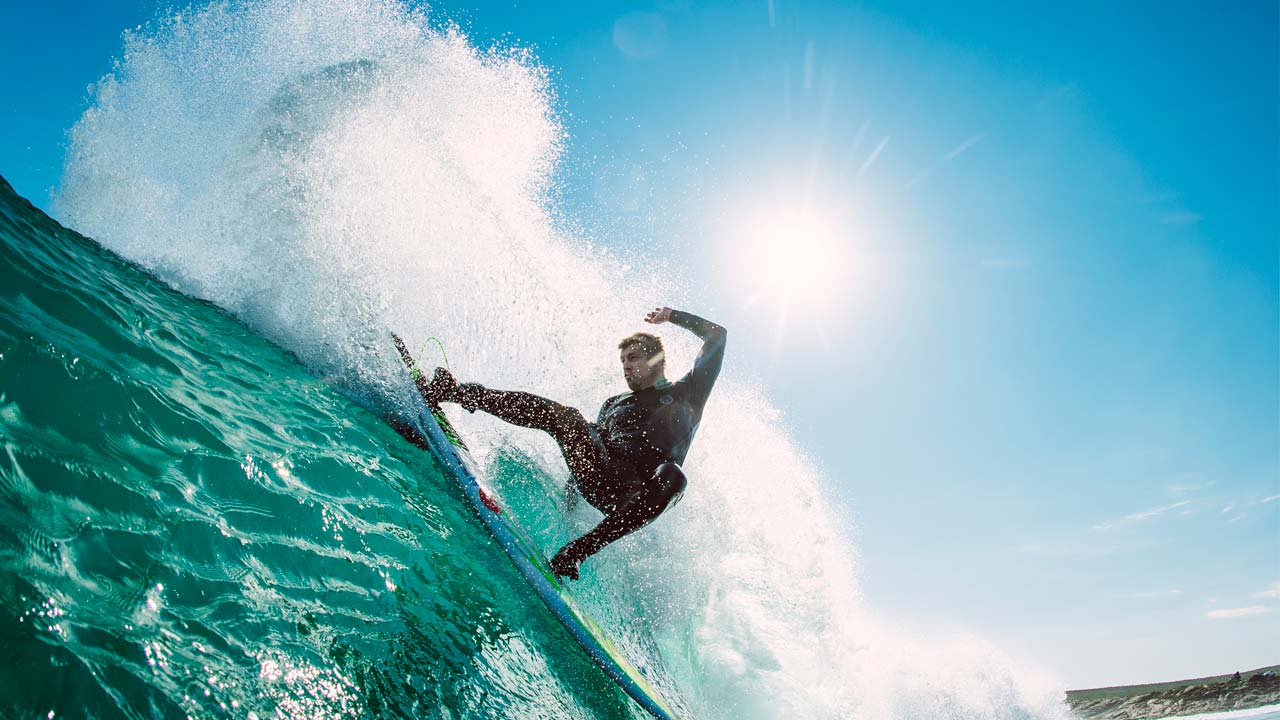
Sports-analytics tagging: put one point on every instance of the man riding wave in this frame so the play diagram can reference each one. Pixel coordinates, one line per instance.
(627, 463)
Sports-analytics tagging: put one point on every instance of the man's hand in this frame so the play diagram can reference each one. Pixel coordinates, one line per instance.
(658, 316)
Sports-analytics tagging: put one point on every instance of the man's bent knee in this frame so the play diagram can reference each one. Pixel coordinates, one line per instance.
(669, 482)
(568, 419)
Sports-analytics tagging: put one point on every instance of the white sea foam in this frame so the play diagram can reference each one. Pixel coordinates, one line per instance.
(330, 169)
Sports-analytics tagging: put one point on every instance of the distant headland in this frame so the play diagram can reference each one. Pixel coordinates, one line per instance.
(1237, 691)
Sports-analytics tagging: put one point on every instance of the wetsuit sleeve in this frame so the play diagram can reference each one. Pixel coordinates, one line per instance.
(706, 368)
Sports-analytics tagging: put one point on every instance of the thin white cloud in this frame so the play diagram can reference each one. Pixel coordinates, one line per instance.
(1142, 516)
(919, 178)
(1232, 613)
(1157, 512)
(1272, 591)
(874, 154)
(962, 147)
(1242, 514)
(1181, 490)
(928, 171)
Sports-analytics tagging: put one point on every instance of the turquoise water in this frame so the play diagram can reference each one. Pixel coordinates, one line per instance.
(203, 513)
(194, 525)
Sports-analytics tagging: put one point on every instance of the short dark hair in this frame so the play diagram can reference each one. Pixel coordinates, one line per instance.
(650, 345)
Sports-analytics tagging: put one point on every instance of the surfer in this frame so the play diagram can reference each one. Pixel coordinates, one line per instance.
(627, 463)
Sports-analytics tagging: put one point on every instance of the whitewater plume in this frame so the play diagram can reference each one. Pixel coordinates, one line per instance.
(327, 171)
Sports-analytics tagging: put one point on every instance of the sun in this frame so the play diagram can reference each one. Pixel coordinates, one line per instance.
(795, 256)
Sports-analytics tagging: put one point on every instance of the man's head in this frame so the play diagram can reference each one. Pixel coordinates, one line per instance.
(643, 360)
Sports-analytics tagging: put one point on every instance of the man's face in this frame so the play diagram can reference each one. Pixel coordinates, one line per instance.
(639, 371)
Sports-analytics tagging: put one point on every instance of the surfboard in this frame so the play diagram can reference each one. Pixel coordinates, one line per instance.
(446, 444)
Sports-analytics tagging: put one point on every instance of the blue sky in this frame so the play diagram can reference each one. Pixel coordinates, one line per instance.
(1047, 383)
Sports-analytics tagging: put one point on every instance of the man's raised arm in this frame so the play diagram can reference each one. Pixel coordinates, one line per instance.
(707, 365)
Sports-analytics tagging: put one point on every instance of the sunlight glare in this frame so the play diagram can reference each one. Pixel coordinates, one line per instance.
(794, 256)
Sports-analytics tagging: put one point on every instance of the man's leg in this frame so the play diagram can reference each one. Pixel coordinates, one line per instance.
(635, 512)
(567, 425)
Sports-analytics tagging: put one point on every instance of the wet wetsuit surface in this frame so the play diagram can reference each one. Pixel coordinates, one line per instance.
(643, 429)
(627, 463)
(642, 438)
(636, 432)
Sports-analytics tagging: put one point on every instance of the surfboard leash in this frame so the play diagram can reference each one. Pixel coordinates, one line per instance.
(417, 372)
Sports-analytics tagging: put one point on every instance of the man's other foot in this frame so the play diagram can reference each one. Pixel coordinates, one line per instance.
(441, 388)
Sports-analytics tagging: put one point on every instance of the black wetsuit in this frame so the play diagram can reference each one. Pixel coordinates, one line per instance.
(626, 464)
(641, 430)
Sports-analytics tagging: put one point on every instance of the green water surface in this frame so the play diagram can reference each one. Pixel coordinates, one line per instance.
(193, 525)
